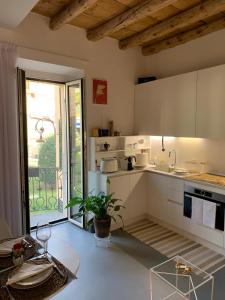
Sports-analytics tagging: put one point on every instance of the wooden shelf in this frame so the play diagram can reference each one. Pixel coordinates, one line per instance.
(109, 151)
(119, 146)
(122, 150)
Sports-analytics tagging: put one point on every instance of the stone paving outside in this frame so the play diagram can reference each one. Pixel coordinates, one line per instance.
(45, 217)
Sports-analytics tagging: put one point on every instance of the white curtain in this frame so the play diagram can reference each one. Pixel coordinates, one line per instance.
(10, 198)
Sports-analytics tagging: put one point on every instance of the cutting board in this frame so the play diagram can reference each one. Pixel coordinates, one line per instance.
(210, 178)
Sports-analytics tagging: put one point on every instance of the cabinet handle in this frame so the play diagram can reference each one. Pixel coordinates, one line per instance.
(175, 202)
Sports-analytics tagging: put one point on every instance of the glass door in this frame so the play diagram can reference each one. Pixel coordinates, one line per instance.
(76, 150)
(47, 170)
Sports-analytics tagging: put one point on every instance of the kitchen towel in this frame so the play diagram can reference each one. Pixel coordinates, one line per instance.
(197, 210)
(209, 214)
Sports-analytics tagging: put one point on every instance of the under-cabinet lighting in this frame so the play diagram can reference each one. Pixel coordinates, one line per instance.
(166, 138)
(190, 139)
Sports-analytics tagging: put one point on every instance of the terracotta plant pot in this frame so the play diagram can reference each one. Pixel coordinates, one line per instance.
(102, 227)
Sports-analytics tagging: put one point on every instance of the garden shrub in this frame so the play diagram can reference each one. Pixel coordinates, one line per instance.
(47, 161)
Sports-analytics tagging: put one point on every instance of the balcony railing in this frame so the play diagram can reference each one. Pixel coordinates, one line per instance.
(45, 189)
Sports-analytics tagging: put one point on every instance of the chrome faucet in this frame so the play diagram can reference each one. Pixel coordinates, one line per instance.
(173, 165)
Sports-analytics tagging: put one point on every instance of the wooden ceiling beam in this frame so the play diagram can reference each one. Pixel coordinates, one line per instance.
(184, 37)
(176, 23)
(70, 12)
(130, 16)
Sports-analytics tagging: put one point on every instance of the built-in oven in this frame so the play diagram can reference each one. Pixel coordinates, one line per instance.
(192, 193)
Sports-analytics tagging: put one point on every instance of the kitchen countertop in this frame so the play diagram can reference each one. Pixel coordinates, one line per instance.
(198, 178)
(205, 179)
(209, 178)
(123, 173)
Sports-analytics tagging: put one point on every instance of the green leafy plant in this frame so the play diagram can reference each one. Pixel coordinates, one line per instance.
(102, 206)
(47, 161)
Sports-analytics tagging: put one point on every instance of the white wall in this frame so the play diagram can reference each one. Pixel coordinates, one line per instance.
(101, 60)
(198, 54)
(191, 152)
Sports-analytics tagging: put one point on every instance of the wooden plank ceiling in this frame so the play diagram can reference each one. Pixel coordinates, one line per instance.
(155, 25)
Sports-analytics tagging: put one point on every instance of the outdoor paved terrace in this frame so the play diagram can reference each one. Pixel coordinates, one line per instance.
(45, 217)
(45, 195)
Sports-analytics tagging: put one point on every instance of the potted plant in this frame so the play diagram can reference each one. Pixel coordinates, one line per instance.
(103, 207)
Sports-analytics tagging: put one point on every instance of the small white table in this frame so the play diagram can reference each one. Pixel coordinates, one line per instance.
(172, 281)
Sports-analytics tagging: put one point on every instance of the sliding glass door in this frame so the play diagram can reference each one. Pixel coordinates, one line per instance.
(76, 150)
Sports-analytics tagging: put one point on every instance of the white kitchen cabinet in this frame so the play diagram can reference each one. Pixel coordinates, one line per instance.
(130, 188)
(165, 198)
(148, 109)
(165, 202)
(136, 205)
(179, 101)
(210, 121)
(157, 186)
(167, 106)
(175, 195)
(120, 186)
(212, 235)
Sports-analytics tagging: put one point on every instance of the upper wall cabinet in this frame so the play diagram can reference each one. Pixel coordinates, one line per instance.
(179, 98)
(167, 106)
(148, 109)
(210, 120)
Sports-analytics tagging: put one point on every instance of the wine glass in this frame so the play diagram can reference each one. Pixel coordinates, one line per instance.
(43, 234)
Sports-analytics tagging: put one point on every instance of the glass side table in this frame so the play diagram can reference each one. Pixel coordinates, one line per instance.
(178, 279)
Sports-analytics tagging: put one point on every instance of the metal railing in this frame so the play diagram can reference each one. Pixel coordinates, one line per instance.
(45, 189)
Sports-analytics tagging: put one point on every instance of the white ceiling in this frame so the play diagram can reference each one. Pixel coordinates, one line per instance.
(12, 12)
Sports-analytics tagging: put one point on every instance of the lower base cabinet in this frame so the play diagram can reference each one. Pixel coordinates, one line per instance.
(155, 195)
(174, 195)
(211, 235)
(130, 188)
(175, 214)
(165, 202)
(156, 191)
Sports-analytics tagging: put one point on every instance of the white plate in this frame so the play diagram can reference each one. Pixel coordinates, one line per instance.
(33, 281)
(139, 166)
(11, 241)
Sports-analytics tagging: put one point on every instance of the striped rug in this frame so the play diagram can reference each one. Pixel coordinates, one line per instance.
(170, 244)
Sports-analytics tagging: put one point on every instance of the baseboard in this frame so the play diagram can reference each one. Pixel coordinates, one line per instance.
(129, 221)
(188, 235)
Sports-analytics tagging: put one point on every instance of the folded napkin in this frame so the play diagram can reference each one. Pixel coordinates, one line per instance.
(28, 270)
(6, 247)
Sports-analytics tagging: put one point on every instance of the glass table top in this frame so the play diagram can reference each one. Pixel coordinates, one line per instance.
(181, 274)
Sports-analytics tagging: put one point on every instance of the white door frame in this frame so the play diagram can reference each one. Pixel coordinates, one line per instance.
(83, 154)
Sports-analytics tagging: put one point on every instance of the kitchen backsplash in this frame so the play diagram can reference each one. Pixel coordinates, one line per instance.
(192, 153)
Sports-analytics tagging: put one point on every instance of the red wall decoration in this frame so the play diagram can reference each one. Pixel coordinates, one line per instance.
(99, 91)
